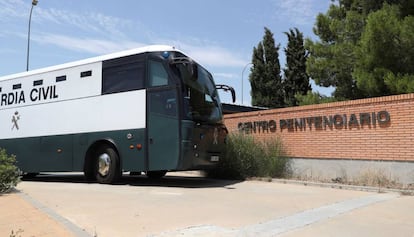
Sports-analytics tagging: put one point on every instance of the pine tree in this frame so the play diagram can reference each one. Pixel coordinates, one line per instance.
(265, 79)
(296, 79)
(386, 53)
(365, 48)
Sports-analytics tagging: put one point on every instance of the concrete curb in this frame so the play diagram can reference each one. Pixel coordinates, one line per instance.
(345, 186)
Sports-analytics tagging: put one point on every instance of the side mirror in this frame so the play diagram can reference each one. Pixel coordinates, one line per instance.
(227, 88)
(190, 66)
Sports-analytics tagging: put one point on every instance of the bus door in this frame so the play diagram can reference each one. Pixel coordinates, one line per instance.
(162, 120)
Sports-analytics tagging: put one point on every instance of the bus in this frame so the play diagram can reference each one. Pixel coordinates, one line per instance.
(151, 109)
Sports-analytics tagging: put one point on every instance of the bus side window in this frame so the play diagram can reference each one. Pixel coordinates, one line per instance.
(123, 77)
(158, 76)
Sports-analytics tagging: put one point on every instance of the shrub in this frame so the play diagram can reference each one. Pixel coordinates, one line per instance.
(277, 165)
(9, 173)
(246, 157)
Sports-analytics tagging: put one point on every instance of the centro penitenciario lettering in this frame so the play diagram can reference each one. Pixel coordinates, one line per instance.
(337, 121)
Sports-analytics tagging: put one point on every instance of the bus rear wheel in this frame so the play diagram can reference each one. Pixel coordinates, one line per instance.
(107, 165)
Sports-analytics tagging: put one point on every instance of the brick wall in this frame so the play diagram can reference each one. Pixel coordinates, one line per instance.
(368, 129)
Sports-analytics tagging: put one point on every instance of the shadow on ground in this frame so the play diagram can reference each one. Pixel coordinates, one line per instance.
(171, 180)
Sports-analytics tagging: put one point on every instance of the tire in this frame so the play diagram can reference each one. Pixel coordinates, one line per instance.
(90, 175)
(89, 169)
(107, 165)
(156, 174)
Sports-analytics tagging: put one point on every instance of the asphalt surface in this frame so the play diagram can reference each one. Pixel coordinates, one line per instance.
(186, 204)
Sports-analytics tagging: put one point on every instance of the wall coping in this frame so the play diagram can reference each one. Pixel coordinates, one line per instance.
(375, 100)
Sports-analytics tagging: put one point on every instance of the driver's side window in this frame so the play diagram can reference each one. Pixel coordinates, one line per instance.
(158, 76)
(163, 101)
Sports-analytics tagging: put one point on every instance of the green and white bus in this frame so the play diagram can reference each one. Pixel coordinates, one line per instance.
(150, 109)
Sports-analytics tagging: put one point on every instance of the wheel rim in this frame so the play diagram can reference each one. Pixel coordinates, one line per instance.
(104, 162)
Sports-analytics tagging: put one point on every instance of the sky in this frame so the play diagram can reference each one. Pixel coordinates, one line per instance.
(218, 34)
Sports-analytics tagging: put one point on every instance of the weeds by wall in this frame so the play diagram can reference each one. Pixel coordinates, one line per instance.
(246, 157)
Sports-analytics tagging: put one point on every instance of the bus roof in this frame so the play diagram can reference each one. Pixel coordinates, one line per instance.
(150, 48)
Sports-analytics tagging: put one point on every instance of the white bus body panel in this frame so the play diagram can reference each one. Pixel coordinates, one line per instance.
(74, 105)
(93, 114)
(74, 87)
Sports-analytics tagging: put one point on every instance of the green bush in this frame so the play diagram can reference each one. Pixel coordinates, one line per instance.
(245, 157)
(9, 174)
(277, 164)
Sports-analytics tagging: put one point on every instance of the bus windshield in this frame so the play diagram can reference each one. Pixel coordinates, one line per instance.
(201, 100)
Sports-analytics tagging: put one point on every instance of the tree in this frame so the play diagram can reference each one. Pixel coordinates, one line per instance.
(331, 60)
(296, 79)
(386, 53)
(365, 48)
(313, 98)
(265, 79)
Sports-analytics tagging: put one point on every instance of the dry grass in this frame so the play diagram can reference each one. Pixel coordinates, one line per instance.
(369, 177)
(376, 178)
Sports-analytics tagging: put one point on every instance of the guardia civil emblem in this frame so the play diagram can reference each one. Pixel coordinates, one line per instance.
(15, 120)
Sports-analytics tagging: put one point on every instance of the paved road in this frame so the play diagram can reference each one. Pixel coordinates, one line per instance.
(190, 205)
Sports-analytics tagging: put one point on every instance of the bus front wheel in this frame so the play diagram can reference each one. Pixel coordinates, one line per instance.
(107, 165)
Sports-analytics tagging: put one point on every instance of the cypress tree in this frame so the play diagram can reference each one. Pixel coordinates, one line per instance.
(265, 78)
(296, 79)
